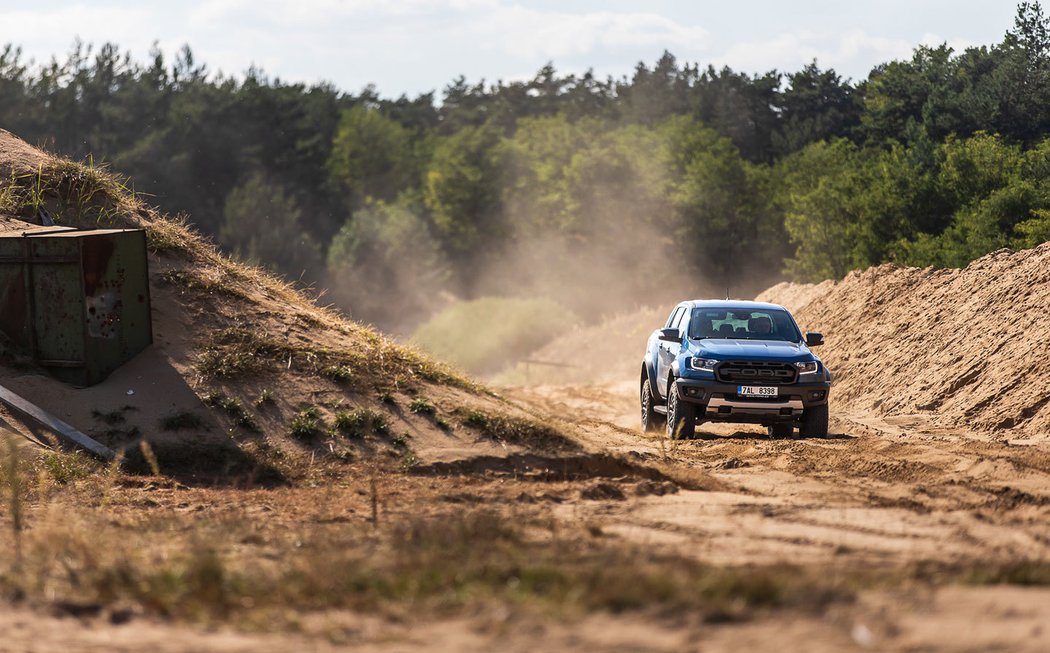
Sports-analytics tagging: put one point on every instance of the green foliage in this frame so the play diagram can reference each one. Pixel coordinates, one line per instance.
(484, 334)
(508, 189)
(821, 210)
(372, 155)
(517, 430)
(337, 373)
(359, 421)
(421, 406)
(306, 424)
(263, 225)
(234, 409)
(462, 191)
(386, 265)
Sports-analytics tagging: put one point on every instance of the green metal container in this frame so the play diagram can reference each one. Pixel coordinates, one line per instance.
(77, 301)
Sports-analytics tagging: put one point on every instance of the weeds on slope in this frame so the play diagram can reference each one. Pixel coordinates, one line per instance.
(425, 566)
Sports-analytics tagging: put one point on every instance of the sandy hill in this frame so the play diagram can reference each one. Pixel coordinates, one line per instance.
(246, 375)
(794, 296)
(966, 347)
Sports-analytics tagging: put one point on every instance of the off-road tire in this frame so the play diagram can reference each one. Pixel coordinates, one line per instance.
(681, 415)
(651, 420)
(815, 422)
(781, 430)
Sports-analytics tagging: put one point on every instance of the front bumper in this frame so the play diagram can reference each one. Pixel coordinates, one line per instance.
(719, 402)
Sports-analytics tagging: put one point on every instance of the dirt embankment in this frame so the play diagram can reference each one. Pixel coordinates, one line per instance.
(245, 371)
(962, 347)
(794, 296)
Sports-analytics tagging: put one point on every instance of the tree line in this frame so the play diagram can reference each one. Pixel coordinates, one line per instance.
(675, 179)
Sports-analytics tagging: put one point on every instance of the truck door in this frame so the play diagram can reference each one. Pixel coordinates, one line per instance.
(668, 351)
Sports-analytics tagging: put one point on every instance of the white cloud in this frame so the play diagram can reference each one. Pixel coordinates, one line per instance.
(319, 13)
(529, 34)
(790, 51)
(494, 25)
(52, 31)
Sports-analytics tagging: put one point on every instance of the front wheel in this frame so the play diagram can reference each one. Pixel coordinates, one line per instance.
(681, 415)
(815, 422)
(651, 420)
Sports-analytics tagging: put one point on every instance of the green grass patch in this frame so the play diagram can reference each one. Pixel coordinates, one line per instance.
(337, 373)
(233, 407)
(517, 430)
(421, 406)
(359, 421)
(307, 423)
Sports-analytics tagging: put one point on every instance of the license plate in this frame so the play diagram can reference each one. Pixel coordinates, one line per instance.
(757, 391)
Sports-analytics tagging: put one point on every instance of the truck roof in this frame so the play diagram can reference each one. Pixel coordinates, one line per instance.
(731, 304)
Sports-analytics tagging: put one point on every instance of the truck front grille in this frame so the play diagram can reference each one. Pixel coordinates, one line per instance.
(760, 372)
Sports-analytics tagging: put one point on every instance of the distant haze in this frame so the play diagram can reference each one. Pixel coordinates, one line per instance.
(415, 46)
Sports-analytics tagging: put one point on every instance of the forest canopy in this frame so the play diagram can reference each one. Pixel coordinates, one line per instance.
(677, 179)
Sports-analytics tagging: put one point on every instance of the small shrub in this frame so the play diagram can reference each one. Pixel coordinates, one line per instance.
(386, 397)
(307, 423)
(518, 430)
(421, 406)
(246, 422)
(348, 422)
(354, 422)
(476, 419)
(379, 423)
(337, 373)
(234, 408)
(63, 468)
(265, 398)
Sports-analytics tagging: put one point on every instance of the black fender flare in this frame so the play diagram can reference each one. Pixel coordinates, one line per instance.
(649, 371)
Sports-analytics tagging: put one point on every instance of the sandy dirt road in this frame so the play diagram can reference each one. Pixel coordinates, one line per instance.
(879, 494)
(875, 492)
(878, 500)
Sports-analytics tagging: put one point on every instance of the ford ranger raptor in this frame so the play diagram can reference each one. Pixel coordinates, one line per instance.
(734, 361)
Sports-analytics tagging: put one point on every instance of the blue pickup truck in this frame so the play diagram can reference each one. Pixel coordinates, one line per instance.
(734, 361)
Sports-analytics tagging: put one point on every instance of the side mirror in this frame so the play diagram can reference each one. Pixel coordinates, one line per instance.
(670, 335)
(814, 339)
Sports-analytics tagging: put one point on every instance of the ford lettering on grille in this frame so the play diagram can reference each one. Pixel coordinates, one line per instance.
(767, 372)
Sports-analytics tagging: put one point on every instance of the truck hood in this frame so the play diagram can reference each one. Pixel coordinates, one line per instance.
(754, 349)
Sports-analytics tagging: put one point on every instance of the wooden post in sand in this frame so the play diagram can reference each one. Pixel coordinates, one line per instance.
(27, 409)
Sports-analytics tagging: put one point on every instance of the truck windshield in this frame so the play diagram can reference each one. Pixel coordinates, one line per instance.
(743, 324)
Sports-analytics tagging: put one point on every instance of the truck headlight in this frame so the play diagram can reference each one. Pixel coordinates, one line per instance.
(809, 367)
(703, 364)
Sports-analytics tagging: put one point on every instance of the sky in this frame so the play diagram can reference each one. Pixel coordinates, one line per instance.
(415, 46)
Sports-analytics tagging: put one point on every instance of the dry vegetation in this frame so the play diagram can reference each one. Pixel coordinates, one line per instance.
(324, 470)
(96, 540)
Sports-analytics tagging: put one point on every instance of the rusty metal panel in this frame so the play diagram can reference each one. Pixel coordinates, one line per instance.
(14, 301)
(77, 300)
(116, 300)
(56, 305)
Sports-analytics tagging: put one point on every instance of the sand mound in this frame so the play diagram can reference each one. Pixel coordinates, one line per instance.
(245, 371)
(17, 157)
(794, 296)
(967, 347)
